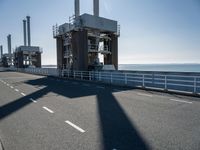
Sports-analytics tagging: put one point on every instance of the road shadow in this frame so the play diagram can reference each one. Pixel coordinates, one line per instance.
(117, 130)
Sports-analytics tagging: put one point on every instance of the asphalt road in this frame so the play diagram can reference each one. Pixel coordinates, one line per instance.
(44, 113)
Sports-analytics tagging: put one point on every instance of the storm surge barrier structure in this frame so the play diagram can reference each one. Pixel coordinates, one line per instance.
(184, 82)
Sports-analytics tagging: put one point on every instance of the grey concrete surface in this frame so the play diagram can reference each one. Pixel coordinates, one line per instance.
(51, 114)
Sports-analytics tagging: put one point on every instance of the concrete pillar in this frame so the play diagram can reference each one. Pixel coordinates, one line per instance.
(24, 28)
(28, 30)
(9, 45)
(60, 52)
(114, 50)
(80, 50)
(77, 8)
(96, 7)
(1, 51)
(38, 60)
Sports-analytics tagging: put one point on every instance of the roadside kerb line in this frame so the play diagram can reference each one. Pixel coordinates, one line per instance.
(49, 110)
(75, 126)
(182, 101)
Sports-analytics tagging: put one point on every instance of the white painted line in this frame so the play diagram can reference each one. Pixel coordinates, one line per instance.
(11, 87)
(143, 94)
(47, 109)
(100, 87)
(182, 101)
(33, 100)
(23, 94)
(16, 90)
(75, 126)
(8, 84)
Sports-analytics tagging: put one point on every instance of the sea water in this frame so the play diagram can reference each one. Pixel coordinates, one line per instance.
(154, 67)
(161, 67)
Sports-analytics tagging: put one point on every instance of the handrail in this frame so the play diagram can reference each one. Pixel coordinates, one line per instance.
(163, 81)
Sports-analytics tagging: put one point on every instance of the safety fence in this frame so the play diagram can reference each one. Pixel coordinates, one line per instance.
(167, 81)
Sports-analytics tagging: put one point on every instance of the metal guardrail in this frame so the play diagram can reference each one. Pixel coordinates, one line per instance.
(181, 82)
(166, 82)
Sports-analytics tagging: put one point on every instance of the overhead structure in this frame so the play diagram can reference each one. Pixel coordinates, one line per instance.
(27, 55)
(87, 42)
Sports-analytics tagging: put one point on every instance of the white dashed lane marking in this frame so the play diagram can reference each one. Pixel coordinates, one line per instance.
(16, 90)
(49, 110)
(75, 126)
(23, 94)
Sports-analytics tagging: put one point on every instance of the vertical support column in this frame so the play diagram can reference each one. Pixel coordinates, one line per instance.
(28, 30)
(114, 51)
(77, 8)
(9, 46)
(1, 51)
(80, 50)
(24, 27)
(96, 7)
(60, 52)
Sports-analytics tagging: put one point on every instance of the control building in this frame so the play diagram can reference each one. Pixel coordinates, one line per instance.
(85, 39)
(27, 55)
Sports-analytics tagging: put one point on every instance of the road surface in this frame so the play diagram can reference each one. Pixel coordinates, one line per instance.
(46, 113)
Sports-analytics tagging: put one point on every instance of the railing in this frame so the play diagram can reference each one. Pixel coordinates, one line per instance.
(166, 81)
(180, 82)
(39, 71)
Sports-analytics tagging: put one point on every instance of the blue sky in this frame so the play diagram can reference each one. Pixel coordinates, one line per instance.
(152, 31)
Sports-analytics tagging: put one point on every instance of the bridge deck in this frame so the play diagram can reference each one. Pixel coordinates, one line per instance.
(46, 113)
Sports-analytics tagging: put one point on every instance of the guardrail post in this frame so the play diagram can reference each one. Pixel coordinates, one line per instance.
(111, 78)
(81, 75)
(90, 76)
(143, 84)
(195, 85)
(165, 83)
(99, 76)
(125, 78)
